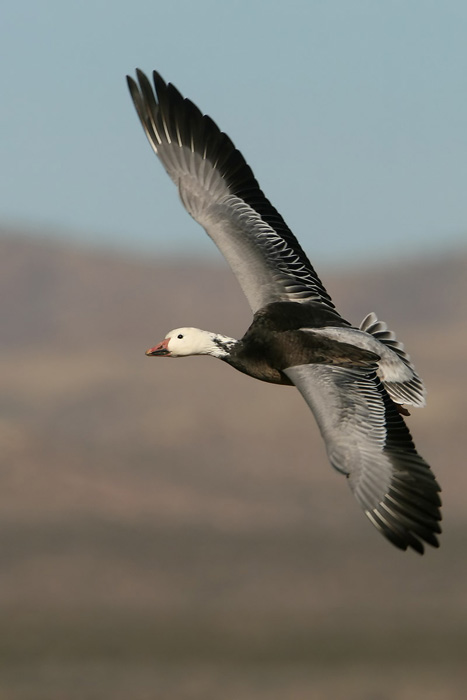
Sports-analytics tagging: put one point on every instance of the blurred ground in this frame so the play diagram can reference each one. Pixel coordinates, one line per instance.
(172, 529)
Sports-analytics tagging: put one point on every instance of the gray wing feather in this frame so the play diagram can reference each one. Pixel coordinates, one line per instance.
(219, 190)
(408, 387)
(368, 441)
(395, 368)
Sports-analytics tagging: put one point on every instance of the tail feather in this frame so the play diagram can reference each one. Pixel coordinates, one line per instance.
(409, 390)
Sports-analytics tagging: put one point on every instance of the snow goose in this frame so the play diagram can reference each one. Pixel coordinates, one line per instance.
(355, 380)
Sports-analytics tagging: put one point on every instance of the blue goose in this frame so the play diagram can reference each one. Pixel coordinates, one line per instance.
(356, 380)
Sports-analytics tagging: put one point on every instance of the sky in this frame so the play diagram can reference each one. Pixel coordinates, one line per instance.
(352, 114)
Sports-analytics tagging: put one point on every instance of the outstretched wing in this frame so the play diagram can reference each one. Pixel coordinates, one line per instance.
(367, 440)
(219, 190)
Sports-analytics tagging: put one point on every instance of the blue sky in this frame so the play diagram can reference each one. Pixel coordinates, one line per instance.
(352, 114)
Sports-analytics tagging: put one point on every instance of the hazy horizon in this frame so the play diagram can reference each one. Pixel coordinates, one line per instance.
(83, 242)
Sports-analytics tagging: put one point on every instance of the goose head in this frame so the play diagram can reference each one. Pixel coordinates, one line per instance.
(183, 342)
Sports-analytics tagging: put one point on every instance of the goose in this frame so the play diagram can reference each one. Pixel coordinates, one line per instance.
(356, 380)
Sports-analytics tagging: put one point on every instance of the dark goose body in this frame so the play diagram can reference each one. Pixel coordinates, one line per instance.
(275, 341)
(355, 380)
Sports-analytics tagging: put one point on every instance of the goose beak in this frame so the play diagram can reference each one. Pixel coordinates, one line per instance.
(159, 350)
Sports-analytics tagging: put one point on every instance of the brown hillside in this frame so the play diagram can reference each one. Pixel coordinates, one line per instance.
(163, 520)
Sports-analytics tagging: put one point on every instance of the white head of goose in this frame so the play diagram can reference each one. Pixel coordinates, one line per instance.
(355, 380)
(183, 342)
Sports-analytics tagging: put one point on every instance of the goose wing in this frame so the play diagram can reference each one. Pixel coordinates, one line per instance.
(368, 441)
(219, 190)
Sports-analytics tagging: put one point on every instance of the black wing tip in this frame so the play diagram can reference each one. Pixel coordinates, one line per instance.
(163, 110)
(143, 78)
(140, 75)
(142, 84)
(409, 514)
(144, 87)
(133, 86)
(165, 101)
(405, 533)
(157, 78)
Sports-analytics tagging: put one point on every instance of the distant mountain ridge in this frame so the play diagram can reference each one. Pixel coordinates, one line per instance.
(45, 286)
(175, 512)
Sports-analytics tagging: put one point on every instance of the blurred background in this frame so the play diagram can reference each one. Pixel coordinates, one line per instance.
(173, 529)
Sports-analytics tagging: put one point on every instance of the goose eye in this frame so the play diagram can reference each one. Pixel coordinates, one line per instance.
(180, 336)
